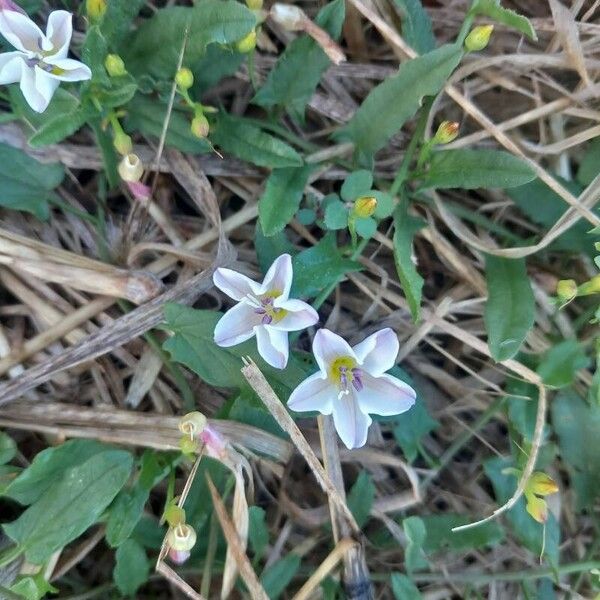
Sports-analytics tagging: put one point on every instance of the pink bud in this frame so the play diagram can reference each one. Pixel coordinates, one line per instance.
(178, 556)
(138, 190)
(215, 443)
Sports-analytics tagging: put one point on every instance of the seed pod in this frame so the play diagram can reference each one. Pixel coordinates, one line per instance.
(184, 78)
(131, 168)
(200, 126)
(114, 65)
(479, 38)
(192, 424)
(180, 539)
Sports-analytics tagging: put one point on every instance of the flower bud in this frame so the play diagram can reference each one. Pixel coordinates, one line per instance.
(590, 287)
(566, 290)
(114, 65)
(254, 4)
(214, 443)
(174, 515)
(479, 38)
(192, 424)
(184, 78)
(536, 507)
(364, 206)
(446, 132)
(200, 127)
(188, 445)
(288, 16)
(541, 484)
(95, 9)
(180, 539)
(122, 143)
(131, 168)
(248, 43)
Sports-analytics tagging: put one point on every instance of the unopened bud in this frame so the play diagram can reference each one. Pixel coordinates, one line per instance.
(479, 38)
(446, 132)
(131, 168)
(541, 484)
(192, 424)
(95, 9)
(254, 4)
(590, 287)
(114, 65)
(288, 16)
(248, 43)
(364, 206)
(184, 78)
(215, 444)
(180, 539)
(188, 445)
(200, 127)
(122, 143)
(174, 515)
(566, 290)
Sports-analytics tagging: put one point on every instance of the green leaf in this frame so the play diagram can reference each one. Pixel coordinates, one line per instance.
(70, 506)
(295, 76)
(440, 536)
(59, 128)
(132, 567)
(121, 91)
(8, 473)
(405, 227)
(356, 184)
(577, 425)
(281, 198)
(336, 215)
(526, 530)
(246, 409)
(239, 137)
(366, 227)
(93, 53)
(492, 9)
(416, 25)
(26, 183)
(414, 529)
(510, 308)
(258, 533)
(277, 577)
(385, 204)
(306, 216)
(8, 448)
(589, 167)
(110, 158)
(155, 46)
(361, 497)
(319, 266)
(218, 62)
(33, 587)
(49, 466)
(560, 364)
(470, 169)
(148, 116)
(118, 18)
(269, 248)
(397, 99)
(411, 427)
(403, 588)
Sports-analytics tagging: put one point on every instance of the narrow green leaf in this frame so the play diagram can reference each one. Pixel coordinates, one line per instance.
(471, 169)
(561, 362)
(269, 248)
(411, 427)
(281, 198)
(403, 588)
(8, 448)
(258, 533)
(361, 497)
(397, 99)
(132, 567)
(235, 135)
(415, 531)
(440, 536)
(510, 308)
(70, 505)
(589, 167)
(118, 18)
(493, 10)
(277, 577)
(416, 25)
(405, 227)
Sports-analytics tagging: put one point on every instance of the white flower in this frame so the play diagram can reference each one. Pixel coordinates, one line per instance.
(40, 61)
(351, 383)
(264, 310)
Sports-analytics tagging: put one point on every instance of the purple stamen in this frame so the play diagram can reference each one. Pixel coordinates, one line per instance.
(267, 320)
(357, 379)
(31, 62)
(260, 311)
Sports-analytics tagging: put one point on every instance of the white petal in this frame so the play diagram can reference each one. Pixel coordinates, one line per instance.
(327, 346)
(20, 31)
(314, 393)
(351, 423)
(73, 69)
(11, 66)
(59, 31)
(272, 345)
(236, 325)
(377, 353)
(279, 276)
(385, 395)
(46, 85)
(30, 91)
(300, 315)
(234, 284)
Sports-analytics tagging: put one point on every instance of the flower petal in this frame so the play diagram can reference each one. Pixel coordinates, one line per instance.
(385, 395)
(314, 393)
(327, 346)
(28, 86)
(279, 276)
(59, 31)
(350, 422)
(377, 353)
(300, 315)
(20, 31)
(272, 345)
(72, 70)
(234, 284)
(11, 66)
(46, 85)
(236, 325)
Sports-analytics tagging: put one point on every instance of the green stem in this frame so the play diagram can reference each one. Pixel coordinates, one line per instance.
(8, 595)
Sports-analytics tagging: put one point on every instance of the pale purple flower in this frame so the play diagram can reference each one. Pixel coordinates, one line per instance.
(264, 310)
(351, 383)
(40, 60)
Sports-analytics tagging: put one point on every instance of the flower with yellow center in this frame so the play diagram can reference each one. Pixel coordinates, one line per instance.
(264, 310)
(352, 384)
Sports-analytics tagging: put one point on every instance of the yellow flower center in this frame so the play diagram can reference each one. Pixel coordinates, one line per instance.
(344, 371)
